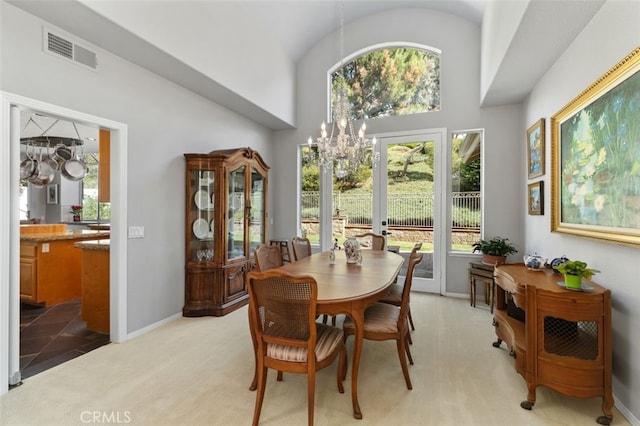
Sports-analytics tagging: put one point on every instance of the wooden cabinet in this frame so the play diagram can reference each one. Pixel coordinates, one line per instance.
(50, 267)
(28, 272)
(226, 216)
(104, 169)
(559, 338)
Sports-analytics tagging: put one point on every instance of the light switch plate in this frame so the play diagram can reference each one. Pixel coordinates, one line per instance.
(136, 232)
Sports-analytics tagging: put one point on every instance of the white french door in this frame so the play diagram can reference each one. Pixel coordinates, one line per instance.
(408, 206)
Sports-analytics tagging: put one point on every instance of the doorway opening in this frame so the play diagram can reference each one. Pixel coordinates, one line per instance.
(10, 107)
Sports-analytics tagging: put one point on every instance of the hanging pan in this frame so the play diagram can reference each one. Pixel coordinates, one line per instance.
(29, 165)
(44, 173)
(61, 153)
(75, 168)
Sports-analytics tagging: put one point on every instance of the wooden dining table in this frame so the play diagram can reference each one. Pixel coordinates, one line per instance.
(346, 288)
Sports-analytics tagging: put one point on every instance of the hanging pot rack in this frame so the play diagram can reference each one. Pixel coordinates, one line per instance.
(64, 156)
(46, 141)
(50, 141)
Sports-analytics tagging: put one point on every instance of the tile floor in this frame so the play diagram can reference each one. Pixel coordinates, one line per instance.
(52, 335)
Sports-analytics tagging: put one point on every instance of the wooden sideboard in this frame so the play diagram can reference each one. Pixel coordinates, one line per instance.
(559, 338)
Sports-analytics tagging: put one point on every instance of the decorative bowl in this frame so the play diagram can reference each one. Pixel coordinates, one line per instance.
(558, 261)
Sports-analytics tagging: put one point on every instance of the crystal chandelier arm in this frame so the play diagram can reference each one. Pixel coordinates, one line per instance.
(342, 145)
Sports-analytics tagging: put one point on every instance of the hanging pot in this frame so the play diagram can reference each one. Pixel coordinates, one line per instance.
(44, 173)
(53, 164)
(61, 153)
(28, 166)
(74, 169)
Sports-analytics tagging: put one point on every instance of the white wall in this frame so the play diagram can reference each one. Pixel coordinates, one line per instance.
(164, 121)
(610, 36)
(499, 25)
(459, 41)
(218, 41)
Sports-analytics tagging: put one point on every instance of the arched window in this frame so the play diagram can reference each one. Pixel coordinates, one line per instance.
(389, 81)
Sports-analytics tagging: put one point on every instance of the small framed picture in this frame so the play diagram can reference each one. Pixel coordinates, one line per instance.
(536, 198)
(52, 193)
(535, 149)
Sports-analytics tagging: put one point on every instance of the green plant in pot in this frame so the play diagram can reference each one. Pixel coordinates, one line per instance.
(495, 250)
(574, 271)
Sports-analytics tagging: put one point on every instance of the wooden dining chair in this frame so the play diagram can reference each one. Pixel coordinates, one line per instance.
(394, 295)
(383, 321)
(377, 241)
(266, 257)
(289, 339)
(301, 247)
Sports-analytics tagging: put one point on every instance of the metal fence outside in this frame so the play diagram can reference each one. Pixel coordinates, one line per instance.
(406, 210)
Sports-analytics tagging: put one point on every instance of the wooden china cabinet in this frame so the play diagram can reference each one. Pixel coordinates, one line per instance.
(226, 216)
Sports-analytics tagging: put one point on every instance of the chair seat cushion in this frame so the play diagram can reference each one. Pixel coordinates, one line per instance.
(328, 339)
(394, 296)
(378, 318)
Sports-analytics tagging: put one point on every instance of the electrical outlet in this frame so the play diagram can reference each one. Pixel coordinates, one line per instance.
(45, 247)
(136, 232)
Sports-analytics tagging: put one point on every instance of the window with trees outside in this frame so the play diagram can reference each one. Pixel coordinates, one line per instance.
(381, 83)
(309, 225)
(388, 82)
(466, 195)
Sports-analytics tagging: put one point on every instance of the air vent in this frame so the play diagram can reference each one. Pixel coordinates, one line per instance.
(59, 45)
(62, 47)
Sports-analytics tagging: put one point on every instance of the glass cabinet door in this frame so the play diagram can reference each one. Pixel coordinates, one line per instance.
(257, 213)
(235, 217)
(202, 198)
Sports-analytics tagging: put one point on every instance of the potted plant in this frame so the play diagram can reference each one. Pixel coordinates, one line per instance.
(76, 211)
(495, 250)
(574, 271)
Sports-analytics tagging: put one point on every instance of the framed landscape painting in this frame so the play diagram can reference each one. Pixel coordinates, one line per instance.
(596, 158)
(535, 149)
(535, 196)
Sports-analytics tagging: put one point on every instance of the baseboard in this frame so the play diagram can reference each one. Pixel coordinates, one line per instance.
(625, 412)
(457, 295)
(153, 326)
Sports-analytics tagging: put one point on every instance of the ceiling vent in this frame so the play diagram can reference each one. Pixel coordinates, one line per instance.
(62, 47)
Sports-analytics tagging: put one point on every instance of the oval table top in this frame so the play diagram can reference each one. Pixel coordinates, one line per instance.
(344, 281)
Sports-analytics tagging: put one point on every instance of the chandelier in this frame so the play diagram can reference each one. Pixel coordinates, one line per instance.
(342, 148)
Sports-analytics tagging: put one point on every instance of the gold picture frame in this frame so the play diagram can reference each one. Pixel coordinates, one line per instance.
(535, 197)
(535, 150)
(595, 158)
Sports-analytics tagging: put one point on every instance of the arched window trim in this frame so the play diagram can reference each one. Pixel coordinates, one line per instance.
(364, 51)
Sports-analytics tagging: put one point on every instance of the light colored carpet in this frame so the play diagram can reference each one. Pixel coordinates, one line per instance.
(196, 371)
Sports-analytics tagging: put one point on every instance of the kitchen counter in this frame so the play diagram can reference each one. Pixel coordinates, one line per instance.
(62, 236)
(102, 245)
(50, 264)
(95, 284)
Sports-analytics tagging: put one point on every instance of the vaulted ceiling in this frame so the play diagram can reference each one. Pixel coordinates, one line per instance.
(544, 30)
